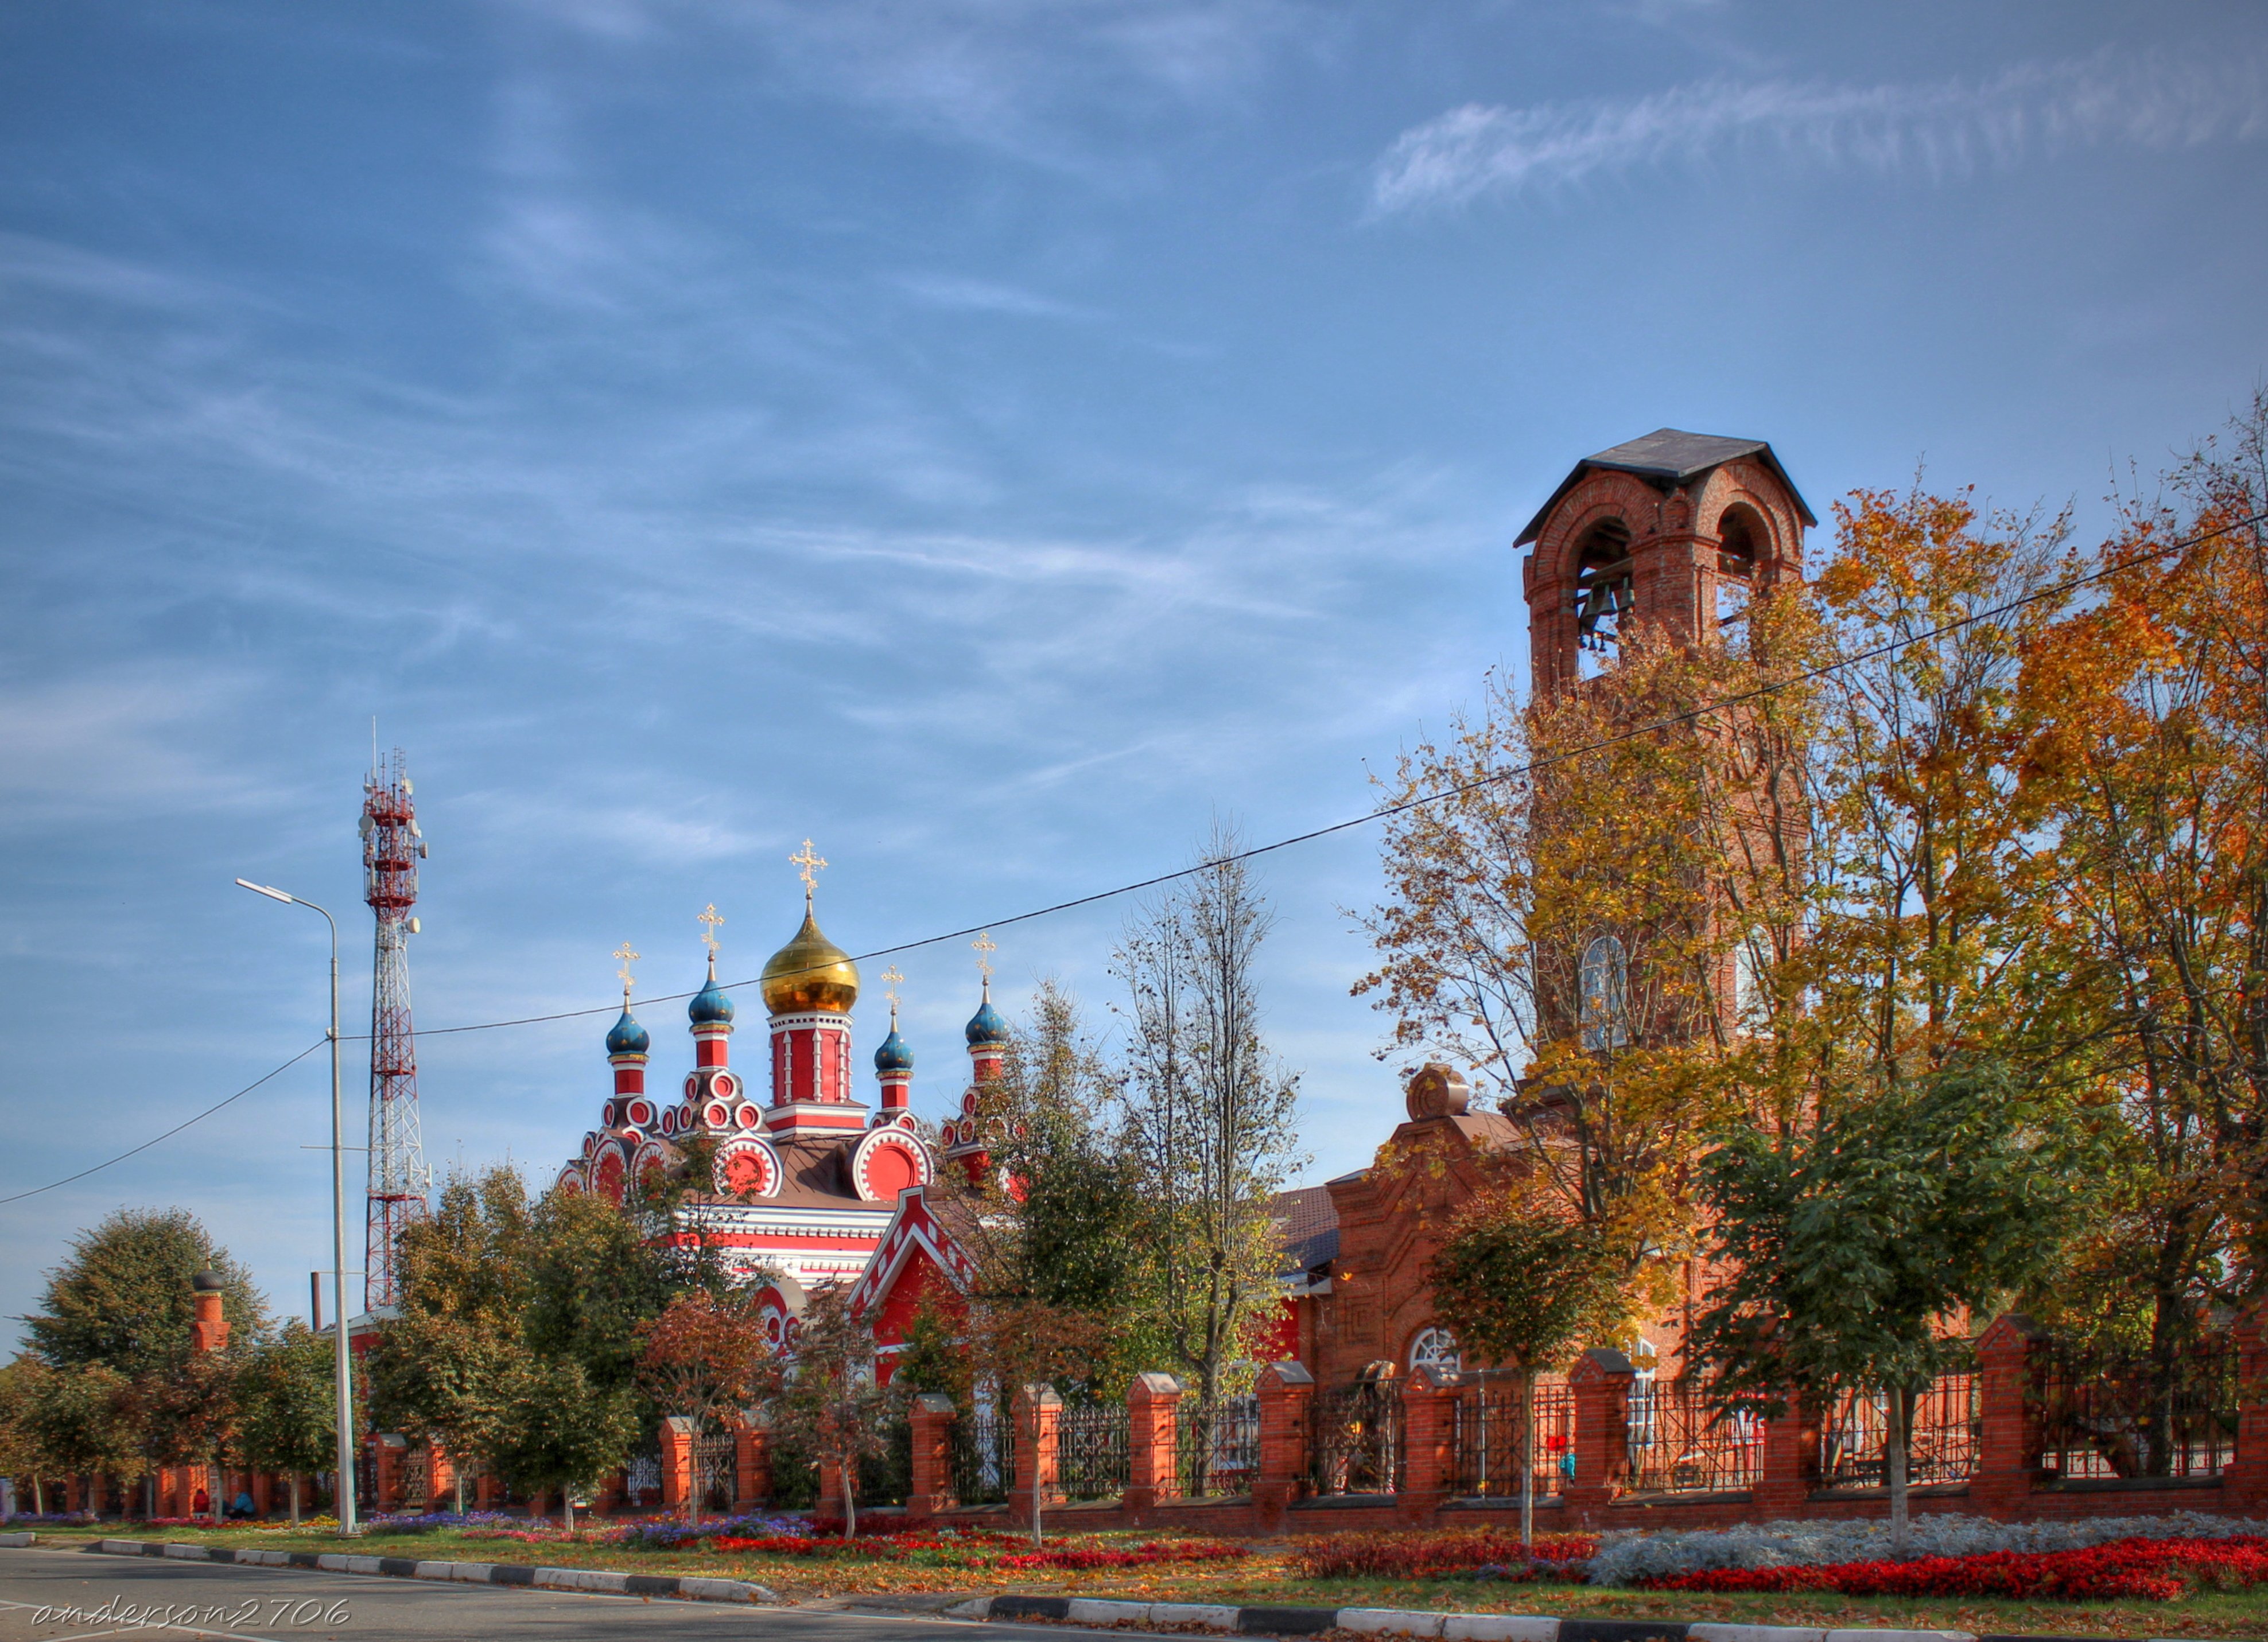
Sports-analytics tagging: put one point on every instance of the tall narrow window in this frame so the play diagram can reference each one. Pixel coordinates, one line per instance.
(1602, 595)
(1737, 566)
(1751, 1013)
(1602, 1006)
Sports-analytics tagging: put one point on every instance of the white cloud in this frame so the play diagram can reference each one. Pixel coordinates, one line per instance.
(114, 745)
(975, 295)
(1949, 128)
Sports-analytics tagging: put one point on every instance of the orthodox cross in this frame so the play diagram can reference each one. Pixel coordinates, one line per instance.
(627, 958)
(708, 919)
(810, 861)
(985, 948)
(891, 981)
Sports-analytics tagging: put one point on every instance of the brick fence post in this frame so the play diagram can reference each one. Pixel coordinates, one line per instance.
(676, 1461)
(1790, 1462)
(1034, 1409)
(1153, 1403)
(751, 1461)
(388, 1451)
(2008, 1453)
(931, 1489)
(2244, 1479)
(1598, 1385)
(1284, 1390)
(1429, 1409)
(441, 1476)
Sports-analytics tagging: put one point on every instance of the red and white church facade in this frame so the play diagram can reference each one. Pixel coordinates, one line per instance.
(804, 1180)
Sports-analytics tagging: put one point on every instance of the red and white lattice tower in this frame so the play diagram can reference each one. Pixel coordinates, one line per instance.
(391, 849)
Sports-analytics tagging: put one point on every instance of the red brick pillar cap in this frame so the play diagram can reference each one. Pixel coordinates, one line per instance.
(2008, 1329)
(393, 1439)
(1428, 1377)
(1286, 1373)
(1045, 1396)
(933, 1403)
(1599, 1363)
(678, 1423)
(1145, 1387)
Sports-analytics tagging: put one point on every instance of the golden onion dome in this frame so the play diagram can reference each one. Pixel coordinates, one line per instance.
(810, 973)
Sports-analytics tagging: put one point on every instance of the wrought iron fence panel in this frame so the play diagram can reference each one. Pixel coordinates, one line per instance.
(983, 1455)
(1217, 1446)
(416, 1477)
(1948, 1426)
(1486, 1434)
(1682, 1440)
(716, 1469)
(1091, 1450)
(885, 1478)
(1354, 1439)
(643, 1474)
(2115, 1413)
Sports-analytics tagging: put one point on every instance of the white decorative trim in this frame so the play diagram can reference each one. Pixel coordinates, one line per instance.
(746, 1146)
(896, 1139)
(783, 1220)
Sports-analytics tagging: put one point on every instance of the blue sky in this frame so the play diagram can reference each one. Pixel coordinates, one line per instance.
(985, 438)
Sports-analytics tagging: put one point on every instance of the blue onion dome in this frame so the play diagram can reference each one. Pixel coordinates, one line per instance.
(894, 1056)
(627, 1037)
(710, 1006)
(986, 1026)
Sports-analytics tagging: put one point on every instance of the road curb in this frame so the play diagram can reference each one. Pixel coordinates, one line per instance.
(1445, 1627)
(685, 1587)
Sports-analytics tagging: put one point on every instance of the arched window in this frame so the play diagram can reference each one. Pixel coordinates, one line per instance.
(1436, 1348)
(1602, 1000)
(1738, 540)
(1752, 1011)
(1602, 593)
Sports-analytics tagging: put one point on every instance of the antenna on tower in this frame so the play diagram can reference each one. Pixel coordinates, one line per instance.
(392, 845)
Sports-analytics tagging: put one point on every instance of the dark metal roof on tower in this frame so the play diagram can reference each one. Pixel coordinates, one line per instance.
(1667, 458)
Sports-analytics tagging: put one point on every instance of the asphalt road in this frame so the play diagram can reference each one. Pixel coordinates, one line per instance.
(60, 1597)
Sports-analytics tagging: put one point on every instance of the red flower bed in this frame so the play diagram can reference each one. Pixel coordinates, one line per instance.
(1432, 1554)
(1142, 1556)
(2152, 1570)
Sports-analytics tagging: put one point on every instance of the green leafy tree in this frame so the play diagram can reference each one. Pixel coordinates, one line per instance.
(182, 1415)
(438, 1370)
(1058, 1220)
(22, 1454)
(1849, 1244)
(287, 1399)
(79, 1419)
(1522, 1285)
(828, 1404)
(123, 1298)
(594, 1283)
(549, 1426)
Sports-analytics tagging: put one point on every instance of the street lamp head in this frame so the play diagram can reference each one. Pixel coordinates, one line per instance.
(261, 889)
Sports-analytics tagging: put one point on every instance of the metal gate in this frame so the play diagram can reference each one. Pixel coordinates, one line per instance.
(714, 1470)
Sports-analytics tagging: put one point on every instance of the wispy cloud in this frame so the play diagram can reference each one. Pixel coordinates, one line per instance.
(114, 745)
(977, 296)
(1949, 128)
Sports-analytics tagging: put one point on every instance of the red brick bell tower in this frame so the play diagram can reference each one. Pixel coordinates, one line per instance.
(1675, 530)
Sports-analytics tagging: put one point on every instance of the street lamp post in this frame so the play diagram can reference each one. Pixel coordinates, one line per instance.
(342, 1362)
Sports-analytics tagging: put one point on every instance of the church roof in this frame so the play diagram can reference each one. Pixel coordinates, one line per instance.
(1667, 458)
(1309, 1224)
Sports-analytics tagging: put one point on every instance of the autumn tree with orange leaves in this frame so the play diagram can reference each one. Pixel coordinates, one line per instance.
(2149, 753)
(1572, 921)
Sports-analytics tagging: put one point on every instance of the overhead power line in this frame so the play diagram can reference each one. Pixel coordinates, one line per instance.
(1442, 795)
(176, 1129)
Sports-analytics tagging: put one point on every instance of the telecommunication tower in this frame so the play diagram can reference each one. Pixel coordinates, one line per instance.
(391, 849)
